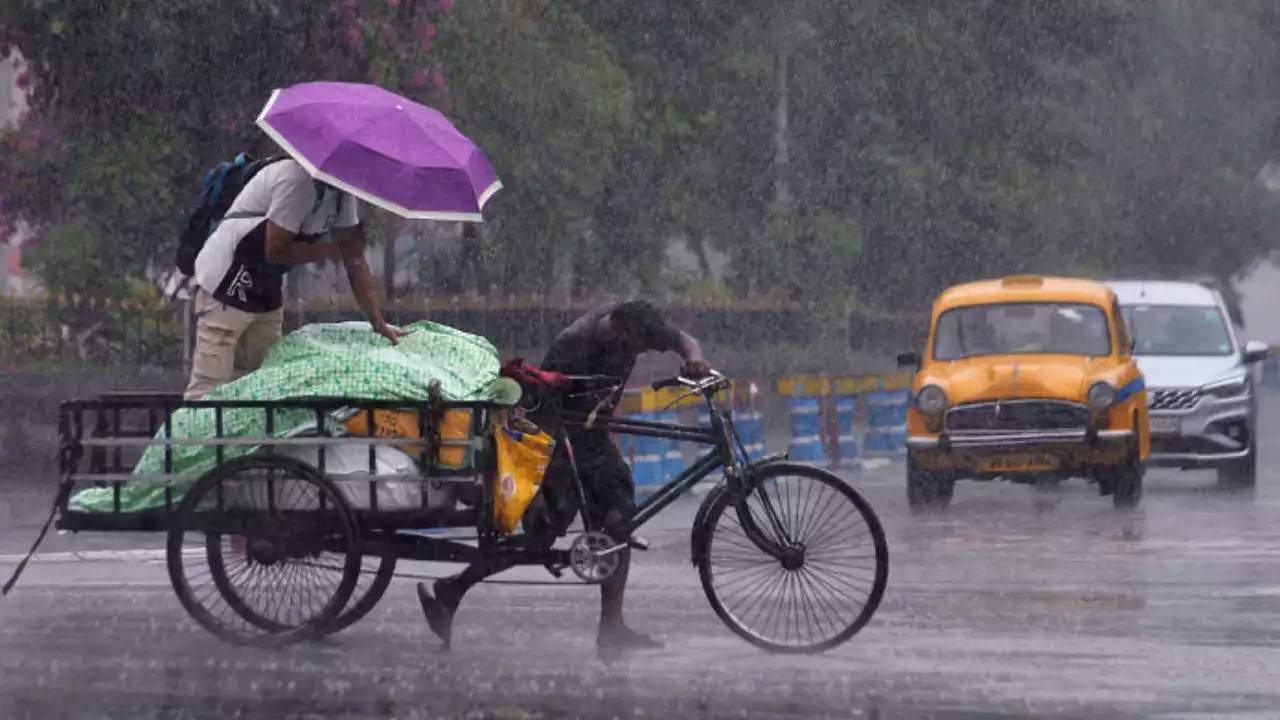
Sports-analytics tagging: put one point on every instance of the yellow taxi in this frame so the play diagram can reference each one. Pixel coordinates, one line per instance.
(1030, 379)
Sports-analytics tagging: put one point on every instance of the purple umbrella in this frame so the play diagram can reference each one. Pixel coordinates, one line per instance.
(382, 148)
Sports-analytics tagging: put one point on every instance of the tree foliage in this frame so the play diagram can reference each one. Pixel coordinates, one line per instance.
(834, 152)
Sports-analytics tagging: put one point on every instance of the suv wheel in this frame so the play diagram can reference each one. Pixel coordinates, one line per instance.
(1241, 473)
(927, 490)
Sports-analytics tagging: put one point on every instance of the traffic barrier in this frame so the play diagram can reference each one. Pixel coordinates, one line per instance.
(806, 394)
(843, 439)
(748, 420)
(1271, 372)
(750, 427)
(646, 457)
(886, 422)
(806, 430)
(672, 456)
(846, 442)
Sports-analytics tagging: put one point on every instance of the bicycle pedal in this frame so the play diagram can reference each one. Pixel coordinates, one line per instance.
(637, 542)
(557, 571)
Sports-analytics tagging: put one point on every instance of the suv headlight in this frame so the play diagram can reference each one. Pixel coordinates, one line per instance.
(931, 400)
(1101, 395)
(1230, 387)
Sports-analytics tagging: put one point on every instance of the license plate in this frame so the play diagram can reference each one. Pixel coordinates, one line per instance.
(1166, 425)
(1018, 463)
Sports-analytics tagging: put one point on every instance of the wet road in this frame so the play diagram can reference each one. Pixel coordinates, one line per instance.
(1012, 604)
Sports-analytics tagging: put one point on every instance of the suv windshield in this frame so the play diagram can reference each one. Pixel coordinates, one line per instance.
(1177, 330)
(999, 329)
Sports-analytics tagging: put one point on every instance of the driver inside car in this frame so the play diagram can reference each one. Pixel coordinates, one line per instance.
(605, 341)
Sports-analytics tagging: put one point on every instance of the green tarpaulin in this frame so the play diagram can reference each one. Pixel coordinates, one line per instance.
(321, 361)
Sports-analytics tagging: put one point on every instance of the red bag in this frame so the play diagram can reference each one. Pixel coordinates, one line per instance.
(532, 376)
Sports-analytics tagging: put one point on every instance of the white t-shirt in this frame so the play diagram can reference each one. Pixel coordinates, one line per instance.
(231, 264)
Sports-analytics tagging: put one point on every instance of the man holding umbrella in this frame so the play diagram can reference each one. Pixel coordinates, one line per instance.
(273, 225)
(345, 141)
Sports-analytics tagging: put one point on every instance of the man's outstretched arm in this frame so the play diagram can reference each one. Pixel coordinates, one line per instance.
(351, 244)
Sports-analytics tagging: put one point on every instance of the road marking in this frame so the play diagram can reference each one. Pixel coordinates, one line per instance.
(138, 555)
(875, 463)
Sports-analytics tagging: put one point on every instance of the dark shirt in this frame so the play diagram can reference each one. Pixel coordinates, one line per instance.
(584, 349)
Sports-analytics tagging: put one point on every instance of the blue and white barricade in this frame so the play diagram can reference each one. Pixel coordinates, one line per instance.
(846, 441)
(750, 427)
(806, 430)
(886, 422)
(672, 455)
(1271, 372)
(646, 457)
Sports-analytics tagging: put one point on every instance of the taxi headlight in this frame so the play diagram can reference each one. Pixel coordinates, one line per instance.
(931, 400)
(1101, 395)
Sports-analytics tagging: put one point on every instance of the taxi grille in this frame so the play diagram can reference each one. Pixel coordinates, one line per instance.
(1018, 415)
(1174, 398)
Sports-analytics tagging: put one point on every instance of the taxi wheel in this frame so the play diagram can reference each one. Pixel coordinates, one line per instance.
(927, 490)
(1126, 484)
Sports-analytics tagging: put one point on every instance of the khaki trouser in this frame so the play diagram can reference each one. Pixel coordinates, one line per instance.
(218, 329)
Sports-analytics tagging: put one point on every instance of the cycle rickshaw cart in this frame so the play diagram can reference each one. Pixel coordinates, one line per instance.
(267, 548)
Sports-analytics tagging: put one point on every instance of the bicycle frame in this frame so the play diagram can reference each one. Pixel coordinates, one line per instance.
(705, 465)
(727, 449)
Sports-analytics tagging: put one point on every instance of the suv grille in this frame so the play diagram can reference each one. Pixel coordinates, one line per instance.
(1018, 415)
(1174, 399)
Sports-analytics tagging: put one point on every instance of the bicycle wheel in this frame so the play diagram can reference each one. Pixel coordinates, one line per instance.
(798, 566)
(264, 550)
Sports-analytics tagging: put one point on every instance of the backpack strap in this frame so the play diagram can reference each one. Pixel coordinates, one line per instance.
(243, 215)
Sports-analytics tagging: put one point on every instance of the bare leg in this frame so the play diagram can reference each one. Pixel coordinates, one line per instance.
(441, 602)
(613, 592)
(614, 632)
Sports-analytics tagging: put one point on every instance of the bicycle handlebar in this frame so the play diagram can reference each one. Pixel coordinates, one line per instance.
(712, 382)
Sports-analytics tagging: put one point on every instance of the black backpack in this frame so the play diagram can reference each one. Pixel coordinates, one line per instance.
(219, 189)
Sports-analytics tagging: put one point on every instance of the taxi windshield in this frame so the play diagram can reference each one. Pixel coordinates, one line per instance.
(1011, 328)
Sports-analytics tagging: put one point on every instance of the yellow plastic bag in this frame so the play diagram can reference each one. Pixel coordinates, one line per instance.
(523, 454)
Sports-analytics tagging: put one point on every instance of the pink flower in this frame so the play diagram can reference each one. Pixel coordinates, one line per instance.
(420, 78)
(23, 81)
(393, 4)
(444, 5)
(437, 78)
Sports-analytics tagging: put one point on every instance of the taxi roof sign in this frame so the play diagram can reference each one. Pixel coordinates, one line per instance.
(1022, 280)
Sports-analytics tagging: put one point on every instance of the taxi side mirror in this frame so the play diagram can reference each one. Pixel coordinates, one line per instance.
(1255, 351)
(908, 359)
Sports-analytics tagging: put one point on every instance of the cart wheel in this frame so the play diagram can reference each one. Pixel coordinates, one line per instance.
(376, 572)
(264, 550)
(799, 565)
(375, 575)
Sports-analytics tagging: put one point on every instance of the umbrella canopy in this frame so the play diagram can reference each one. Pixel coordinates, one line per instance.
(382, 148)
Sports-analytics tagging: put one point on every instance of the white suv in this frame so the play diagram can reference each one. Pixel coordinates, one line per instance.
(1199, 389)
